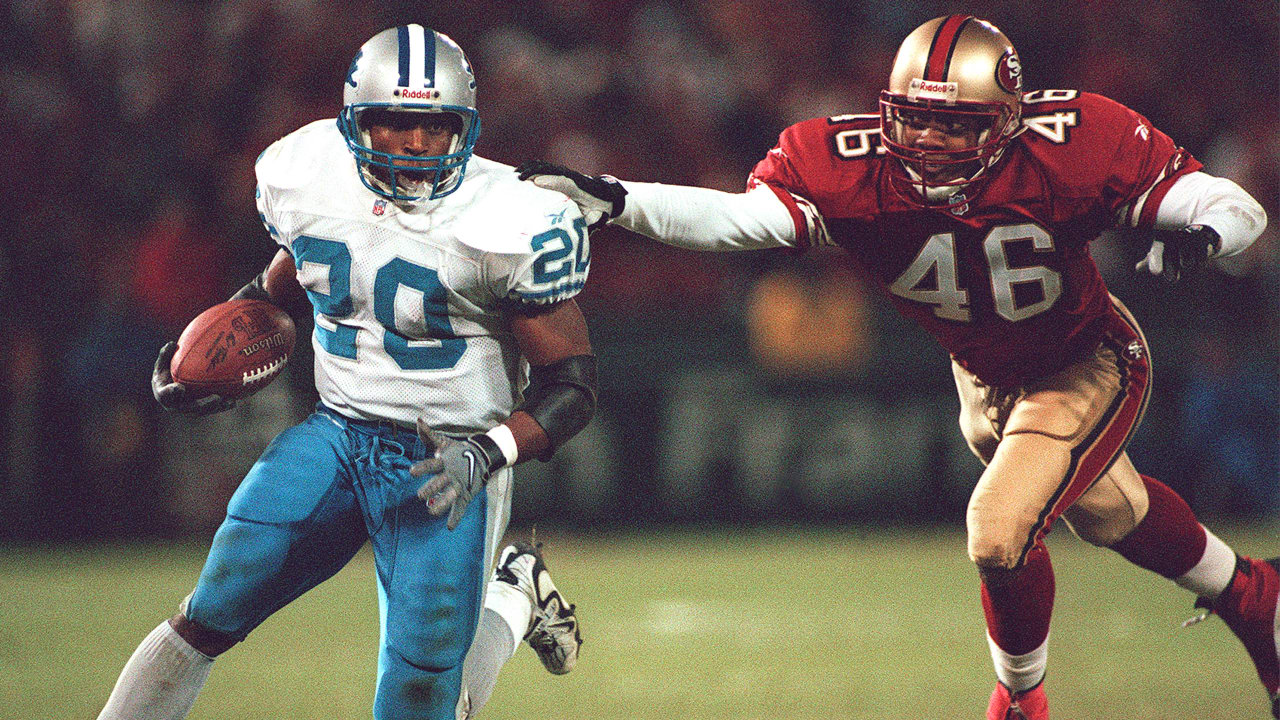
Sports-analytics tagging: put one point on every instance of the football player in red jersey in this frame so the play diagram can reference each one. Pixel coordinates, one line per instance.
(972, 204)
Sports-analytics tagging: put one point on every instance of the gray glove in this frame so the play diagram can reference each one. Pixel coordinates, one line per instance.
(176, 397)
(459, 470)
(1180, 252)
(600, 198)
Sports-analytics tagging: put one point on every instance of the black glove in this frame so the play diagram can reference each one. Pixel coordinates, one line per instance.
(459, 468)
(174, 396)
(1180, 252)
(600, 198)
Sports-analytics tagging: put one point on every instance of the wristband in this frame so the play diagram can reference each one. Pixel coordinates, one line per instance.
(506, 445)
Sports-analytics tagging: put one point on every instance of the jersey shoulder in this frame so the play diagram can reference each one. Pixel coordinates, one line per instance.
(505, 215)
(1081, 137)
(826, 160)
(1083, 120)
(303, 157)
(1090, 149)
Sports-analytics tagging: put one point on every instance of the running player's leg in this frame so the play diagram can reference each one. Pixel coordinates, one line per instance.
(1053, 438)
(292, 523)
(1153, 527)
(431, 584)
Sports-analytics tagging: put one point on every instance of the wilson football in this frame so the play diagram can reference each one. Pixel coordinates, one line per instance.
(234, 349)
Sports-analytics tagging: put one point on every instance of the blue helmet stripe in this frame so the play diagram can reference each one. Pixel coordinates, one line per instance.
(429, 58)
(402, 34)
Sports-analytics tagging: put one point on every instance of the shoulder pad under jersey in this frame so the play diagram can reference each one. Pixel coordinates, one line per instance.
(506, 214)
(1092, 146)
(300, 157)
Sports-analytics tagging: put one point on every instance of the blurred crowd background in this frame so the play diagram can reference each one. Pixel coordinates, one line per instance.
(758, 387)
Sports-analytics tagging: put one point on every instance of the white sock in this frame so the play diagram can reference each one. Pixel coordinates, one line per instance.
(161, 679)
(1019, 672)
(1213, 573)
(493, 646)
(512, 605)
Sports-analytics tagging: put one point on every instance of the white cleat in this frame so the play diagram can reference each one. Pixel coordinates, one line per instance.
(553, 627)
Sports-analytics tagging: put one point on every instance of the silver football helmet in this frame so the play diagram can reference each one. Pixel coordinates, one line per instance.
(410, 69)
(959, 73)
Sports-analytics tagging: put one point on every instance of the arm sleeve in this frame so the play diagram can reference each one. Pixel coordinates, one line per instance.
(697, 218)
(263, 193)
(1199, 198)
(551, 269)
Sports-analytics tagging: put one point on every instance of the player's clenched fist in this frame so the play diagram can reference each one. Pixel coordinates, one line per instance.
(459, 468)
(1180, 252)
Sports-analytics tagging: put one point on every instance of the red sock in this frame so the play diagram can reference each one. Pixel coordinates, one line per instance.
(1019, 606)
(1169, 540)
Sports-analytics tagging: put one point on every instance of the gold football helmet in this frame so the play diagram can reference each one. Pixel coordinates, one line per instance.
(961, 77)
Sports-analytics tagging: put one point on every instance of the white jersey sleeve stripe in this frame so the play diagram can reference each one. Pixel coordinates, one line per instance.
(566, 289)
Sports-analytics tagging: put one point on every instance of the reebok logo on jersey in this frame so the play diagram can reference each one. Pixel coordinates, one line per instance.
(1142, 131)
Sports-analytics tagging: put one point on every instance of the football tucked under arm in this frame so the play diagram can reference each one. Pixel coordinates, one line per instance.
(186, 379)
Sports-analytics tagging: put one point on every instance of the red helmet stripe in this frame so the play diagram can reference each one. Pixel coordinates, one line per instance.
(944, 44)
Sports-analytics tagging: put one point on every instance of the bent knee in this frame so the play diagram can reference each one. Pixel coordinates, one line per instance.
(1111, 509)
(207, 640)
(999, 536)
(993, 554)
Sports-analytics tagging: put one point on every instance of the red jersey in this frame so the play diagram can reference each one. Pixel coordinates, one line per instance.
(1005, 283)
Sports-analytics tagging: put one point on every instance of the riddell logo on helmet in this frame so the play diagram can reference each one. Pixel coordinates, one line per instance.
(921, 89)
(412, 94)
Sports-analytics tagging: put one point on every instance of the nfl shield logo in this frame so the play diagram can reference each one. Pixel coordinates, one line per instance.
(379, 207)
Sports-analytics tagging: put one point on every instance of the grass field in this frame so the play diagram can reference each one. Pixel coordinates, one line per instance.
(757, 624)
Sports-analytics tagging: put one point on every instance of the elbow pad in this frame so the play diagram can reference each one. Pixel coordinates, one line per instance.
(562, 398)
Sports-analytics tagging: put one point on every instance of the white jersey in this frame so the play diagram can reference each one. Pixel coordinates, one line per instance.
(409, 300)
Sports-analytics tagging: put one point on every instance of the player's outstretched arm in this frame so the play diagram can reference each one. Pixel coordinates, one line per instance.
(277, 284)
(560, 402)
(693, 218)
(1212, 217)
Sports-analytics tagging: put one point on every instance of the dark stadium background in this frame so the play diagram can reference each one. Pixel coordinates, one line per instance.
(766, 517)
(756, 387)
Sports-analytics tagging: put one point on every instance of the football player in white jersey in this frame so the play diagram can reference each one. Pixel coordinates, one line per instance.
(448, 347)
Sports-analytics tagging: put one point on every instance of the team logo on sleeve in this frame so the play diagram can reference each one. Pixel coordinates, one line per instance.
(1009, 72)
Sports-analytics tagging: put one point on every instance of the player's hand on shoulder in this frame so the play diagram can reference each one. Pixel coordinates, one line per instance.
(600, 198)
(175, 396)
(1174, 254)
(458, 470)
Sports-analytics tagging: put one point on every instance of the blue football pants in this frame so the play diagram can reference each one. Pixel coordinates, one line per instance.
(318, 492)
